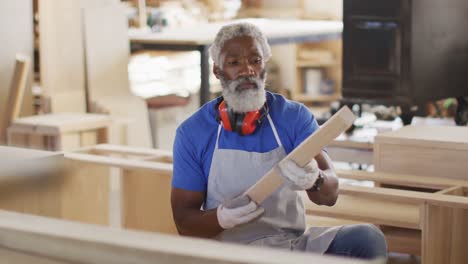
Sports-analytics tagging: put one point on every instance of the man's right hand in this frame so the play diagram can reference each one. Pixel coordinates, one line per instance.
(238, 211)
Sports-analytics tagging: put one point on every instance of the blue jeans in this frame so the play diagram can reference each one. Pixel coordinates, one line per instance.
(359, 241)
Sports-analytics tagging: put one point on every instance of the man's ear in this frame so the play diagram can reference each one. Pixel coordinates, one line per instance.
(216, 71)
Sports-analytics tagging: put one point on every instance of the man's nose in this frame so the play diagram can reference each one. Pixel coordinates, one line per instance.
(247, 70)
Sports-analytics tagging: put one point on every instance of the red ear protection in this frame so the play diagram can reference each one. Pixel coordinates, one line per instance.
(242, 123)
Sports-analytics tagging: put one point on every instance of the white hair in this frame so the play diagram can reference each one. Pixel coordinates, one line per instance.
(238, 30)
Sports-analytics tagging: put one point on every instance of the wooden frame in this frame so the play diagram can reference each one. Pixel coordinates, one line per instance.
(402, 214)
(103, 185)
(432, 214)
(428, 214)
(35, 239)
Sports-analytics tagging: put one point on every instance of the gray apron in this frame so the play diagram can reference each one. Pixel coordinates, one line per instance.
(283, 223)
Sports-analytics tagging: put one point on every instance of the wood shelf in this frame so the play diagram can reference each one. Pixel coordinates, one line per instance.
(306, 98)
(325, 56)
(315, 64)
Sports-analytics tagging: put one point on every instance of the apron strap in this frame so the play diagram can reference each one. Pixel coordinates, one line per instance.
(274, 131)
(217, 137)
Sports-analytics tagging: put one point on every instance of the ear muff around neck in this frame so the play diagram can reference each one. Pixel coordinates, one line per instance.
(242, 123)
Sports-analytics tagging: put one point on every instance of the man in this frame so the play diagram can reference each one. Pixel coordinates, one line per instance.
(231, 142)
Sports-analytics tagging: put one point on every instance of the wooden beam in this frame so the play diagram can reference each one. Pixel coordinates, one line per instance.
(406, 196)
(69, 242)
(18, 165)
(16, 27)
(15, 97)
(370, 210)
(304, 153)
(402, 240)
(142, 14)
(402, 179)
(120, 162)
(131, 151)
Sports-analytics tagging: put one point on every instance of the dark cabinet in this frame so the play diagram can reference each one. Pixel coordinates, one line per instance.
(404, 52)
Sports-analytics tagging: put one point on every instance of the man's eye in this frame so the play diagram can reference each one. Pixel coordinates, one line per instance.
(257, 60)
(233, 62)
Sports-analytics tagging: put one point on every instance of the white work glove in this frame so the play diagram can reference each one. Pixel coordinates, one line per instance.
(238, 211)
(299, 178)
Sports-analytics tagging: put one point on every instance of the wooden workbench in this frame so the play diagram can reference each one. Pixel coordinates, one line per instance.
(60, 131)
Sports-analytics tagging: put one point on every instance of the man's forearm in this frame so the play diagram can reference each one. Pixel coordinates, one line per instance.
(199, 223)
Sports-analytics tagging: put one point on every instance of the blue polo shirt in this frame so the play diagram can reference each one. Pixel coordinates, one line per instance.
(196, 139)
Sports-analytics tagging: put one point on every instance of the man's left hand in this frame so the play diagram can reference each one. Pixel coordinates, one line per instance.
(299, 178)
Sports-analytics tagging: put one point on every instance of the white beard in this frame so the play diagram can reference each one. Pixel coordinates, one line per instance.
(243, 101)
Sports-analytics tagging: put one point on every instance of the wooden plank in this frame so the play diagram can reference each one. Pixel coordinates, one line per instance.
(11, 256)
(37, 142)
(107, 51)
(452, 190)
(17, 139)
(17, 165)
(143, 154)
(307, 150)
(370, 210)
(437, 151)
(127, 150)
(69, 141)
(84, 194)
(147, 201)
(29, 182)
(33, 182)
(458, 251)
(402, 240)
(402, 179)
(459, 229)
(436, 236)
(32, 196)
(62, 55)
(15, 97)
(406, 196)
(120, 162)
(115, 198)
(142, 17)
(130, 120)
(103, 135)
(165, 159)
(82, 243)
(16, 27)
(423, 160)
(88, 138)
